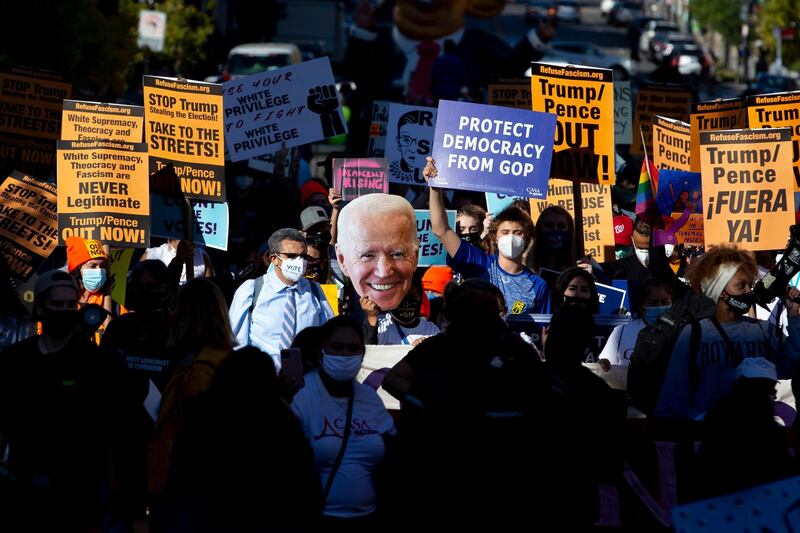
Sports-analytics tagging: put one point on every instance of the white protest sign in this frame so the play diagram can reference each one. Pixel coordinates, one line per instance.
(295, 105)
(152, 30)
(623, 118)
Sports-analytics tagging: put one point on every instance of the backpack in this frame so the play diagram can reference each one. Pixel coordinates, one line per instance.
(654, 345)
(258, 285)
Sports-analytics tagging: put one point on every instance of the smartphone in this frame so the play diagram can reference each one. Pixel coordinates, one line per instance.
(292, 365)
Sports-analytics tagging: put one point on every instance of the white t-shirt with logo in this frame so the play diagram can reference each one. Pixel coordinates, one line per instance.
(323, 417)
(390, 332)
(620, 343)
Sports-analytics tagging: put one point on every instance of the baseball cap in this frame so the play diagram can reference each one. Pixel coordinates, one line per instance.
(756, 367)
(311, 216)
(623, 229)
(52, 279)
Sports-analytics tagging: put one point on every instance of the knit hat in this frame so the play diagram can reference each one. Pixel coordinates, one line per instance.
(436, 278)
(79, 251)
(310, 188)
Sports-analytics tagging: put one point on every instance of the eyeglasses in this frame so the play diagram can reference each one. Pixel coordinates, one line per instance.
(290, 256)
(406, 141)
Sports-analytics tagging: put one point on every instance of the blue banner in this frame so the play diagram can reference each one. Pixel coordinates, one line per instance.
(497, 202)
(431, 250)
(493, 149)
(210, 220)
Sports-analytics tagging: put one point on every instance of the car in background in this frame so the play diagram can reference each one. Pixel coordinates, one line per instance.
(568, 11)
(771, 83)
(649, 31)
(582, 53)
(662, 45)
(538, 10)
(623, 13)
(247, 59)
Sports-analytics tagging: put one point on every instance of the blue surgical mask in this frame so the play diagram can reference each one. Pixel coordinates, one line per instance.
(341, 367)
(557, 240)
(93, 279)
(651, 314)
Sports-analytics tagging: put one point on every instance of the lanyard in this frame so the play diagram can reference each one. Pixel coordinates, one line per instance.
(403, 339)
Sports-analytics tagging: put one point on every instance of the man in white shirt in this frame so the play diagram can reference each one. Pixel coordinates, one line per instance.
(269, 311)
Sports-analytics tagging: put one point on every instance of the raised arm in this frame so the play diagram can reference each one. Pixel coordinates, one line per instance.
(439, 224)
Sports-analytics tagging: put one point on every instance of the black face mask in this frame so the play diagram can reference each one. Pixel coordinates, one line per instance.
(574, 300)
(740, 304)
(59, 323)
(407, 311)
(473, 238)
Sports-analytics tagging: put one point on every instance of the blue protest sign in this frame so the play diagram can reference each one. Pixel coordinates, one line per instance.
(622, 284)
(493, 149)
(409, 137)
(497, 202)
(210, 220)
(431, 250)
(611, 299)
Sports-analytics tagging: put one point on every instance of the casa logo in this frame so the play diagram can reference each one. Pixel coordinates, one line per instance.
(517, 307)
(533, 191)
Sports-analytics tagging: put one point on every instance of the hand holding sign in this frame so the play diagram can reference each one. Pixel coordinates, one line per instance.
(429, 172)
(324, 101)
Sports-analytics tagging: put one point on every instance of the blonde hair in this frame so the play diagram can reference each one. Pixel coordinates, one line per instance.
(200, 319)
(372, 205)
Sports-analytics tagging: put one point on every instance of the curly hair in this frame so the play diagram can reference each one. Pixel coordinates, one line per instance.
(707, 265)
(512, 214)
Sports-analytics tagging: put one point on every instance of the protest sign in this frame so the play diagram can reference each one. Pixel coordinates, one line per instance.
(409, 140)
(120, 264)
(28, 226)
(152, 30)
(748, 183)
(209, 220)
(376, 143)
(183, 126)
(583, 99)
(103, 192)
(493, 149)
(355, 177)
(717, 115)
(266, 163)
(598, 219)
(294, 105)
(496, 202)
(672, 142)
(767, 508)
(30, 119)
(653, 99)
(679, 190)
(95, 120)
(778, 111)
(610, 298)
(431, 250)
(510, 92)
(623, 126)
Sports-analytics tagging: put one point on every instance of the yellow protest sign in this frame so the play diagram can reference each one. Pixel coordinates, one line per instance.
(671, 144)
(510, 92)
(183, 126)
(331, 292)
(120, 263)
(747, 183)
(28, 227)
(104, 192)
(598, 219)
(717, 115)
(653, 99)
(583, 100)
(777, 111)
(94, 120)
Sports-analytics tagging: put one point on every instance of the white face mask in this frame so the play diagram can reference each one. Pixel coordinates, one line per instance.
(643, 255)
(341, 367)
(668, 249)
(511, 246)
(293, 269)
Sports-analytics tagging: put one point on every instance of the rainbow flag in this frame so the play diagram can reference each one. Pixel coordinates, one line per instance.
(646, 207)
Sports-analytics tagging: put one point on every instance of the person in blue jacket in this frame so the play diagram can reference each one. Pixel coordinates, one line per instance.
(702, 372)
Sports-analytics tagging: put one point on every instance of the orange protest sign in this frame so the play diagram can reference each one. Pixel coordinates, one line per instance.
(28, 228)
(598, 219)
(667, 100)
(94, 120)
(183, 126)
(583, 100)
(510, 92)
(717, 115)
(778, 111)
(747, 183)
(104, 192)
(671, 144)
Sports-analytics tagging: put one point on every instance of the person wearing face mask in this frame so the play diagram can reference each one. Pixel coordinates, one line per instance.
(575, 286)
(645, 262)
(511, 232)
(469, 224)
(697, 377)
(88, 263)
(347, 426)
(267, 312)
(59, 416)
(655, 298)
(554, 246)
